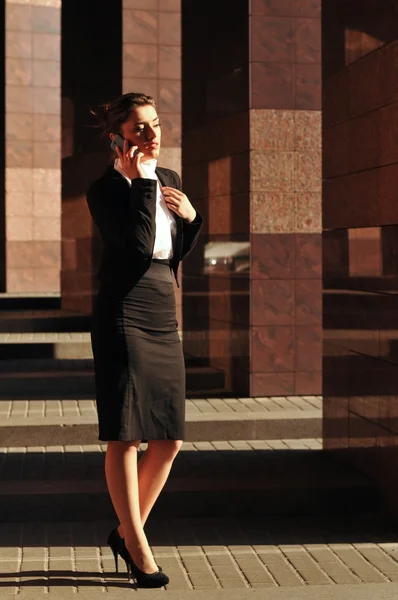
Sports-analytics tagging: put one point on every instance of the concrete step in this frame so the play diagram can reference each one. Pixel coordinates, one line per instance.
(44, 378)
(72, 421)
(67, 483)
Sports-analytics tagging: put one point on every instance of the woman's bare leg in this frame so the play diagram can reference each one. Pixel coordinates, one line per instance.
(153, 470)
(122, 479)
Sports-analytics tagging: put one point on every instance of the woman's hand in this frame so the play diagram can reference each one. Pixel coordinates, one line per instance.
(178, 202)
(130, 164)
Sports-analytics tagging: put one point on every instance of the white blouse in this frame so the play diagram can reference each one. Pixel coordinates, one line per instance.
(165, 221)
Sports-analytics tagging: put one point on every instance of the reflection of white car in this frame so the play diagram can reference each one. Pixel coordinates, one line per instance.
(227, 256)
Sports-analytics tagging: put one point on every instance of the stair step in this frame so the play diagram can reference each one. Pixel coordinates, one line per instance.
(69, 485)
(46, 422)
(46, 378)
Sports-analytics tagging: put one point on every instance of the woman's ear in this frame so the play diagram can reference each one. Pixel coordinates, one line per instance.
(111, 136)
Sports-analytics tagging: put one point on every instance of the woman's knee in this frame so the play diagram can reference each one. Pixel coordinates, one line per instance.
(165, 448)
(122, 447)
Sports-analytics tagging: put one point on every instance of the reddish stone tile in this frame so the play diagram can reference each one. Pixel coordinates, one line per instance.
(20, 255)
(46, 255)
(47, 205)
(308, 301)
(308, 215)
(308, 41)
(272, 39)
(388, 182)
(272, 86)
(308, 384)
(336, 150)
(46, 101)
(308, 348)
(19, 229)
(272, 171)
(46, 128)
(272, 130)
(170, 29)
(19, 154)
(140, 26)
(169, 5)
(308, 87)
(46, 73)
(171, 129)
(69, 256)
(46, 19)
(149, 87)
(387, 140)
(19, 71)
(308, 130)
(47, 228)
(170, 62)
(363, 133)
(140, 60)
(362, 96)
(272, 256)
(272, 213)
(169, 100)
(146, 4)
(272, 302)
(19, 126)
(271, 384)
(47, 46)
(19, 204)
(18, 17)
(283, 8)
(272, 349)
(388, 81)
(47, 155)
(17, 100)
(308, 172)
(308, 8)
(18, 44)
(228, 214)
(335, 102)
(20, 280)
(47, 280)
(308, 255)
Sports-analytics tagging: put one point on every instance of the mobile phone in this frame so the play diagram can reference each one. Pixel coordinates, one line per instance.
(118, 141)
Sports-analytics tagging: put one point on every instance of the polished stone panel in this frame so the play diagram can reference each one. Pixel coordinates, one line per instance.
(360, 283)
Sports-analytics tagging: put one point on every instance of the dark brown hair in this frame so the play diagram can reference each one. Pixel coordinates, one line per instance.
(117, 112)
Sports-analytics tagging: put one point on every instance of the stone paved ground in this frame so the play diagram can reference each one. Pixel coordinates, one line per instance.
(301, 406)
(202, 554)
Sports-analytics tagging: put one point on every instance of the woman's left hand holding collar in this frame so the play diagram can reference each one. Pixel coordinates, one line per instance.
(178, 202)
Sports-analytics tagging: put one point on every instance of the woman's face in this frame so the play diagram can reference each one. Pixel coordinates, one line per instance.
(143, 130)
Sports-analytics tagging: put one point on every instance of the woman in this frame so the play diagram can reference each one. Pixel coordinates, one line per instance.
(148, 226)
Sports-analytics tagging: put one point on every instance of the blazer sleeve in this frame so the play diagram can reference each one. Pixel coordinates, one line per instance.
(129, 228)
(190, 230)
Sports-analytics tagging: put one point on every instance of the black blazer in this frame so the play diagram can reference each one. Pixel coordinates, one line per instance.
(125, 217)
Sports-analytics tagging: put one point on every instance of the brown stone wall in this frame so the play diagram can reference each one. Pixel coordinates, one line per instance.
(360, 239)
(33, 146)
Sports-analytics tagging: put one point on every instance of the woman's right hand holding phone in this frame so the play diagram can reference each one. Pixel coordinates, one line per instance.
(130, 161)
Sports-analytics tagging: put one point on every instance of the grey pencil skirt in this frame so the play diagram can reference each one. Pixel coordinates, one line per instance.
(138, 361)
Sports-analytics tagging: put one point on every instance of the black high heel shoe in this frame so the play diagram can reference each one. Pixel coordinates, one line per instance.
(118, 547)
(145, 580)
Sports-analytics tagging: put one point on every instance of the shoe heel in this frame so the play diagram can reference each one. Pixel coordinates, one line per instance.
(115, 556)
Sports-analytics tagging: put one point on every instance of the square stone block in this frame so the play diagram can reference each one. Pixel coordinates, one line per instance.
(170, 62)
(19, 71)
(18, 44)
(140, 26)
(47, 46)
(46, 73)
(19, 204)
(18, 99)
(19, 126)
(18, 17)
(140, 60)
(46, 100)
(46, 19)
(19, 154)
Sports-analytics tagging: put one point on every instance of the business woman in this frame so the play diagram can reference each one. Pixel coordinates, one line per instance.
(148, 225)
